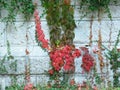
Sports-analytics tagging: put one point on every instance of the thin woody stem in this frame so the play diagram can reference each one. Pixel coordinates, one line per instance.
(91, 23)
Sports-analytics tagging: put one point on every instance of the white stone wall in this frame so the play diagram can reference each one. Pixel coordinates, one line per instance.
(39, 60)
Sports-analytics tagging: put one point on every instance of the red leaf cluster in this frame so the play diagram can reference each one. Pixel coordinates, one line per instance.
(39, 31)
(64, 57)
(87, 60)
(51, 71)
(28, 86)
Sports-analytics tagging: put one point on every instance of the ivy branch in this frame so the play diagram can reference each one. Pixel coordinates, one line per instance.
(114, 55)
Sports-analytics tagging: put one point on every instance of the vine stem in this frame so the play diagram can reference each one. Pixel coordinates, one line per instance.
(110, 35)
(27, 60)
(100, 57)
(90, 38)
(107, 61)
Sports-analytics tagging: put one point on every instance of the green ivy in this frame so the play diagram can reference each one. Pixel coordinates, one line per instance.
(2, 66)
(114, 55)
(14, 7)
(97, 5)
(52, 9)
(68, 24)
(60, 19)
(15, 87)
(67, 87)
(9, 60)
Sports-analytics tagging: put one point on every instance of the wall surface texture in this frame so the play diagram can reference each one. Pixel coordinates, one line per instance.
(39, 59)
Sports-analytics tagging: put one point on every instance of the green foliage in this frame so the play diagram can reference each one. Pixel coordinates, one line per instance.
(15, 87)
(26, 8)
(67, 24)
(114, 55)
(52, 9)
(7, 61)
(39, 87)
(98, 5)
(110, 88)
(67, 87)
(2, 66)
(60, 18)
(55, 75)
(14, 7)
(97, 79)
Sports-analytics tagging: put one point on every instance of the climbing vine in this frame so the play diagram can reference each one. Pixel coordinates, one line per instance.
(14, 7)
(97, 5)
(52, 9)
(60, 21)
(7, 60)
(114, 55)
(67, 23)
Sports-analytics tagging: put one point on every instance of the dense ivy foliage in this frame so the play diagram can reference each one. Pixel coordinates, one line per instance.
(114, 55)
(98, 5)
(14, 7)
(61, 22)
